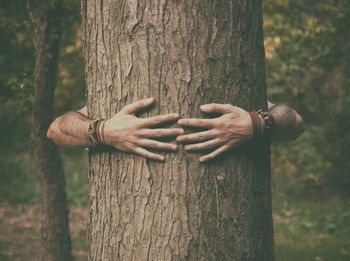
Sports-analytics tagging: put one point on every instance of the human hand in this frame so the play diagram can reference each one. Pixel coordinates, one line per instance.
(128, 133)
(234, 127)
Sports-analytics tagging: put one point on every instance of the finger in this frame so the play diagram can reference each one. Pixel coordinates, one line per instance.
(199, 136)
(217, 108)
(204, 145)
(147, 154)
(160, 119)
(202, 123)
(161, 133)
(214, 154)
(138, 105)
(154, 144)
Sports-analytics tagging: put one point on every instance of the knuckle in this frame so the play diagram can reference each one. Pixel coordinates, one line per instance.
(157, 120)
(202, 137)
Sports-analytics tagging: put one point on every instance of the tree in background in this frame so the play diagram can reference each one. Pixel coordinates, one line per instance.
(183, 53)
(46, 33)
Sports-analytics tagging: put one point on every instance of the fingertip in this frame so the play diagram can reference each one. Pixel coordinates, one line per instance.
(180, 121)
(204, 107)
(201, 159)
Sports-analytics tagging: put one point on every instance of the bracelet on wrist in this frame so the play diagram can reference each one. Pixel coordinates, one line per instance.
(269, 122)
(95, 134)
(259, 129)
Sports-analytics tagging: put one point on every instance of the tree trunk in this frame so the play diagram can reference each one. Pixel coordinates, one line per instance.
(183, 53)
(55, 239)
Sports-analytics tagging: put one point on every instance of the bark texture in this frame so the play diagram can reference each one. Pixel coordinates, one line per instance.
(183, 53)
(55, 239)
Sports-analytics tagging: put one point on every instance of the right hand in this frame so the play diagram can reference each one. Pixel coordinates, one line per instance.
(128, 133)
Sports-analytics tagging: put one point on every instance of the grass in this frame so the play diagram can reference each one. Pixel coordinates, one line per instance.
(311, 229)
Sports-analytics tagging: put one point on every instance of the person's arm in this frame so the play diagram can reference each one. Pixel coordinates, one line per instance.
(124, 131)
(235, 127)
(288, 123)
(71, 129)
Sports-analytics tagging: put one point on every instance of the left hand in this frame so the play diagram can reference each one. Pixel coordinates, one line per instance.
(231, 129)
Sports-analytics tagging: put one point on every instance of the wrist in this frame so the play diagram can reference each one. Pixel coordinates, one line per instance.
(101, 132)
(107, 133)
(269, 122)
(263, 123)
(95, 132)
(257, 124)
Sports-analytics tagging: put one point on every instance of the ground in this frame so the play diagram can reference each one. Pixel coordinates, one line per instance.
(305, 230)
(20, 232)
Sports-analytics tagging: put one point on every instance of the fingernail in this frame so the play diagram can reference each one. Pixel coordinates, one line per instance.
(201, 159)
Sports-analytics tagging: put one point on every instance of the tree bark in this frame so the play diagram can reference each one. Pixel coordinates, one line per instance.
(46, 33)
(183, 53)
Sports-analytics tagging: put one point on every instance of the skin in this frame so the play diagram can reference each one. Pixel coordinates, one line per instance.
(124, 131)
(129, 133)
(234, 127)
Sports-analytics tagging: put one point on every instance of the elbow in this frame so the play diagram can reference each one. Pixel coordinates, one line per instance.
(52, 131)
(298, 129)
(299, 124)
(291, 132)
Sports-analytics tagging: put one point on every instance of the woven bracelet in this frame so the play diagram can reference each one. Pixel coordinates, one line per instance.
(258, 130)
(93, 133)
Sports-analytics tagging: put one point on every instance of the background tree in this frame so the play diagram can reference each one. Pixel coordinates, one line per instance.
(183, 53)
(55, 239)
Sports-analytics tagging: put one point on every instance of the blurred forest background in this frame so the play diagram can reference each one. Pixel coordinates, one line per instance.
(307, 45)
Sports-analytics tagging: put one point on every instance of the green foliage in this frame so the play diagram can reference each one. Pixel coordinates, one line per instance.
(311, 229)
(18, 181)
(307, 67)
(76, 169)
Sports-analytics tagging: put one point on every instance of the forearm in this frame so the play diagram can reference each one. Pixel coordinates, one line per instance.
(70, 129)
(288, 123)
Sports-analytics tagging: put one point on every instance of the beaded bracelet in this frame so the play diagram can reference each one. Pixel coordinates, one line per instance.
(269, 122)
(258, 129)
